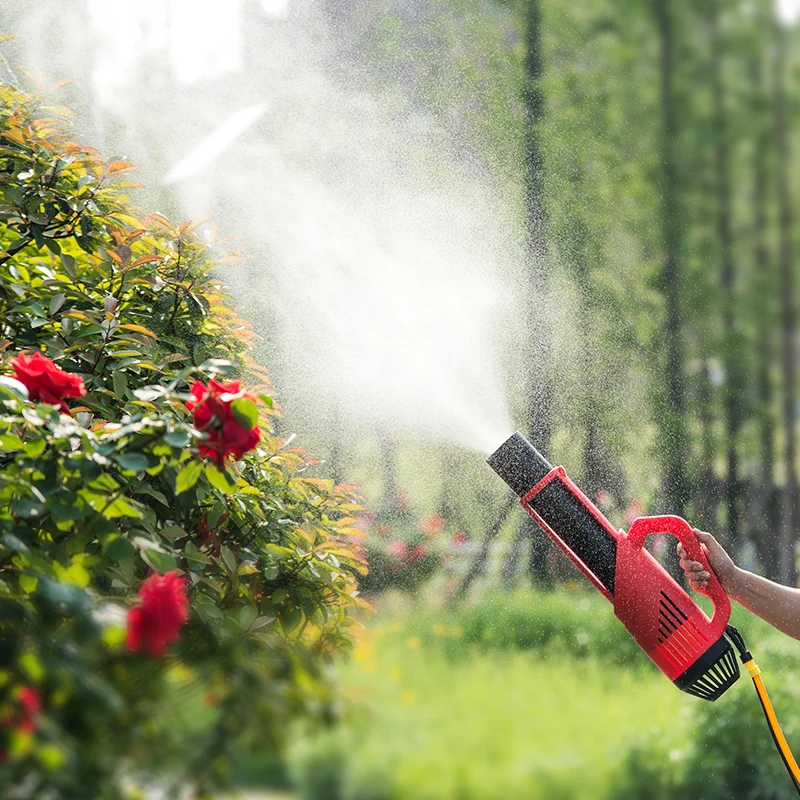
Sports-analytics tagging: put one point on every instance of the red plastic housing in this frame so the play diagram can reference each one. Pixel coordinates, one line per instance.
(663, 619)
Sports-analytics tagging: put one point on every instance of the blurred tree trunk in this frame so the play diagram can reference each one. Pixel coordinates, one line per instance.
(672, 416)
(540, 394)
(707, 500)
(478, 565)
(768, 523)
(388, 470)
(576, 253)
(450, 474)
(786, 289)
(733, 386)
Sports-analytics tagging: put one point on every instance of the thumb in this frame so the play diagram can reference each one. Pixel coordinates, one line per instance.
(705, 538)
(709, 543)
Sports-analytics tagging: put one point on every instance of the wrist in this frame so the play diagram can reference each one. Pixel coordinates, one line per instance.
(736, 583)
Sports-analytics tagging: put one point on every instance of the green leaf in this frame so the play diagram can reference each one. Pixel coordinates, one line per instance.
(159, 561)
(73, 598)
(9, 442)
(290, 619)
(260, 622)
(31, 416)
(154, 493)
(247, 615)
(28, 583)
(217, 365)
(51, 757)
(35, 447)
(193, 554)
(117, 547)
(188, 476)
(215, 514)
(120, 382)
(229, 559)
(178, 438)
(120, 507)
(68, 262)
(55, 303)
(246, 412)
(172, 532)
(66, 511)
(27, 509)
(219, 479)
(134, 462)
(76, 575)
(12, 389)
(150, 393)
(29, 662)
(11, 542)
(267, 400)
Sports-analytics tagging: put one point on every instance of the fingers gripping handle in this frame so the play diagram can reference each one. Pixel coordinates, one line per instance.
(683, 531)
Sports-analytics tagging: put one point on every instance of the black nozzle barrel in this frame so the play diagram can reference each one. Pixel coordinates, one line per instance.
(566, 513)
(519, 464)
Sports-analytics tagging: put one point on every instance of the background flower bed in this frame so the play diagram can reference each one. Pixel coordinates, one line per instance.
(404, 549)
(122, 483)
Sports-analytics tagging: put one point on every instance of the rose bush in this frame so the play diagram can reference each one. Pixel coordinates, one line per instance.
(158, 542)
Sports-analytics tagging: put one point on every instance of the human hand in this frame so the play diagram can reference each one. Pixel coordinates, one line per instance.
(720, 561)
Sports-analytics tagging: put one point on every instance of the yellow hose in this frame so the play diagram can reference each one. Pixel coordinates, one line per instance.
(774, 725)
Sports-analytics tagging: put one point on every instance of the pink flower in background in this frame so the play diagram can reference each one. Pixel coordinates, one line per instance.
(634, 510)
(460, 538)
(417, 552)
(603, 498)
(432, 525)
(363, 521)
(398, 550)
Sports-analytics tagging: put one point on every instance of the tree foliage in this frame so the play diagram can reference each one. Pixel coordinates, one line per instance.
(94, 501)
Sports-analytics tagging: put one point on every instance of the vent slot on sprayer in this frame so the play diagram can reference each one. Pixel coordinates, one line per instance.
(679, 639)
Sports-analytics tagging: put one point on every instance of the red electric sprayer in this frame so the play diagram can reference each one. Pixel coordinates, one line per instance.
(688, 647)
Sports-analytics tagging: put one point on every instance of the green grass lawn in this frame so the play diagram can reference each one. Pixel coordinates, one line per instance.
(434, 721)
(527, 696)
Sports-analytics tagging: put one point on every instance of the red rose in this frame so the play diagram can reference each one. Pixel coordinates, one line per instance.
(459, 538)
(24, 716)
(225, 435)
(157, 620)
(29, 701)
(45, 381)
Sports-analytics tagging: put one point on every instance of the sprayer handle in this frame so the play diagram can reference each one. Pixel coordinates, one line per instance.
(683, 531)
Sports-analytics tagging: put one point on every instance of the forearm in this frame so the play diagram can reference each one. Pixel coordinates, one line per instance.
(776, 604)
